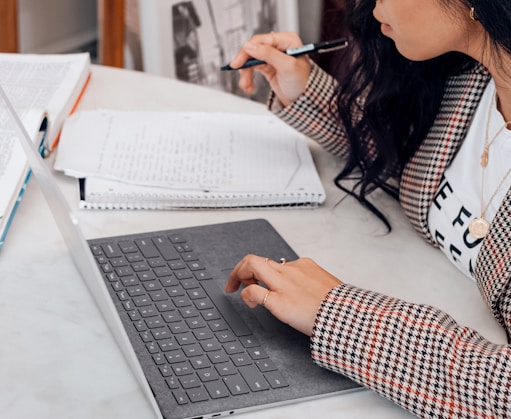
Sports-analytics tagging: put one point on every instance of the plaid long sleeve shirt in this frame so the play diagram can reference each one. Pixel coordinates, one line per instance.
(416, 355)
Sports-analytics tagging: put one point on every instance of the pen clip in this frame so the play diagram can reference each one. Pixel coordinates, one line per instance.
(335, 48)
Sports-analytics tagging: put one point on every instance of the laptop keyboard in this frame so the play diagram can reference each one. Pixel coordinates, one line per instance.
(197, 341)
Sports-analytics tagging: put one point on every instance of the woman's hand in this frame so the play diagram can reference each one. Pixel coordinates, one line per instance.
(286, 75)
(294, 290)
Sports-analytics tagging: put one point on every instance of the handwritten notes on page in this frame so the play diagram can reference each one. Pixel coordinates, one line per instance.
(188, 151)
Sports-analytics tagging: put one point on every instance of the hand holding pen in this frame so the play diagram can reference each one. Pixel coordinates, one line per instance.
(319, 47)
(285, 66)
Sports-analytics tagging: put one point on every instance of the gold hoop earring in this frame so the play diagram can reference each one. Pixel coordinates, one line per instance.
(473, 15)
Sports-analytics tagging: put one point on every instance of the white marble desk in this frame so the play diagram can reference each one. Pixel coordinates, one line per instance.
(57, 357)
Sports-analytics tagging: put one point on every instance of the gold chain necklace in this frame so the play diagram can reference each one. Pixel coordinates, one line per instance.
(479, 227)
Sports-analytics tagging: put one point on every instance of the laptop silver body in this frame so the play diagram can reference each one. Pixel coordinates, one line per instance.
(306, 380)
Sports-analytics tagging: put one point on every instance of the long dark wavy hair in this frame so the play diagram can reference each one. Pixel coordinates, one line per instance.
(401, 101)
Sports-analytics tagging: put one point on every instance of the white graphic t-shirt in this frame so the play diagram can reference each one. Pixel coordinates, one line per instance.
(458, 198)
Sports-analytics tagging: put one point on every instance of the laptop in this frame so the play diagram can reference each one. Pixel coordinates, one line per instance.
(196, 352)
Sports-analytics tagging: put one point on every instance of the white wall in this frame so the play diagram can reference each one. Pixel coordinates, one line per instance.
(309, 16)
(55, 26)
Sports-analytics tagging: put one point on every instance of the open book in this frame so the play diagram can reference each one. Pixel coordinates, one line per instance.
(164, 160)
(44, 90)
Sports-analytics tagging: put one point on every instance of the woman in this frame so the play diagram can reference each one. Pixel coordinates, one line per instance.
(424, 103)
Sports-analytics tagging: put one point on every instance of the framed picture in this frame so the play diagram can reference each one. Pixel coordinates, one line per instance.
(190, 40)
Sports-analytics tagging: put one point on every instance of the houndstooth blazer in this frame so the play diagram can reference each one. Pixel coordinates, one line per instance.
(416, 355)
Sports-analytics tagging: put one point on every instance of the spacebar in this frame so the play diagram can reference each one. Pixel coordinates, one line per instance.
(226, 309)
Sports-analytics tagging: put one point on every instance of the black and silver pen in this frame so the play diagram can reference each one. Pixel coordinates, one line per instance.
(319, 47)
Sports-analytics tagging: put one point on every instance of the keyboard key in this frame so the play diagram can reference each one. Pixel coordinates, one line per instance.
(217, 357)
(266, 365)
(210, 345)
(166, 248)
(147, 248)
(162, 271)
(168, 344)
(189, 257)
(218, 325)
(217, 389)
(186, 339)
(146, 276)
(124, 271)
(171, 316)
(129, 281)
(175, 356)
(152, 285)
(158, 359)
(127, 247)
(225, 336)
(178, 327)
(207, 374)
(111, 250)
(154, 322)
(203, 334)
(96, 249)
(148, 311)
(203, 304)
(197, 395)
(226, 368)
(183, 274)
(210, 314)
(196, 294)
(254, 378)
(195, 266)
(177, 265)
(152, 347)
(189, 284)
(142, 301)
(176, 238)
(172, 382)
(196, 323)
(134, 257)
(202, 275)
(190, 381)
(233, 348)
(136, 291)
(241, 359)
(140, 266)
(168, 281)
(200, 362)
(146, 336)
(188, 312)
(156, 262)
(166, 371)
(119, 261)
(161, 333)
(160, 295)
(164, 306)
(257, 353)
(193, 350)
(182, 368)
(276, 379)
(236, 385)
(180, 396)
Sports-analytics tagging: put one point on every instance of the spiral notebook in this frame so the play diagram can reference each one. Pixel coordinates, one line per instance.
(164, 160)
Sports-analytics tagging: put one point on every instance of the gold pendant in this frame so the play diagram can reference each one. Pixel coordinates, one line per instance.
(484, 157)
(479, 227)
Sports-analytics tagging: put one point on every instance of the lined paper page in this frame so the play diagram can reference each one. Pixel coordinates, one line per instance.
(189, 151)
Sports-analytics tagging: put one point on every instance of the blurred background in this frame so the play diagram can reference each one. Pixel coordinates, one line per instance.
(188, 40)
